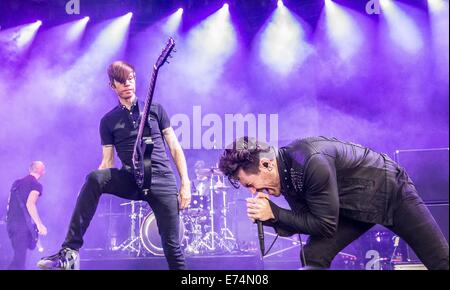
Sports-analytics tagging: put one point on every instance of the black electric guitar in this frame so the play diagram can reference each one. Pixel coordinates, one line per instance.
(143, 147)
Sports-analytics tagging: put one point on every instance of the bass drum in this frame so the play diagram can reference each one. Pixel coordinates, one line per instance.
(149, 234)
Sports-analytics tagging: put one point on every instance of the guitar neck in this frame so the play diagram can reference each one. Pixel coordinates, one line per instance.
(148, 103)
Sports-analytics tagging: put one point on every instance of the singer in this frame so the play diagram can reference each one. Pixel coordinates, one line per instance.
(336, 191)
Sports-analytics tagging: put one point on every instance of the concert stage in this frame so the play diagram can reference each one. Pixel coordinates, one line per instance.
(225, 262)
(338, 88)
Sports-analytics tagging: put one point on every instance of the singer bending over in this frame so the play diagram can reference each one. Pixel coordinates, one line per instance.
(336, 191)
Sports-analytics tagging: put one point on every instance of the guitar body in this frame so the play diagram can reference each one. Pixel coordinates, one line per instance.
(143, 166)
(143, 147)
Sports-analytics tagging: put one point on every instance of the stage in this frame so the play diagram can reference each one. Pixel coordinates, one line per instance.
(298, 113)
(219, 262)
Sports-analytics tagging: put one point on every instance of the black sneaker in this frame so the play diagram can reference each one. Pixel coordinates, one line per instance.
(65, 259)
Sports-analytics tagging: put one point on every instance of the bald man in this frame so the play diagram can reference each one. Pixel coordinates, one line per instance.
(23, 216)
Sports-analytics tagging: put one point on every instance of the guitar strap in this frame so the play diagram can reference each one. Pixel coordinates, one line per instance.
(155, 115)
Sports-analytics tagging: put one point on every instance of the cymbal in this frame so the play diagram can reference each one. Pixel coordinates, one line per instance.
(217, 171)
(221, 186)
(132, 202)
(208, 171)
(203, 171)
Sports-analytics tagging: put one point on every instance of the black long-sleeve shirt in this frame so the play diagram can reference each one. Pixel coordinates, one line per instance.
(322, 178)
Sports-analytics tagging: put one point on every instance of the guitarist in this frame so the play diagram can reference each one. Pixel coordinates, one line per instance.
(118, 131)
(23, 221)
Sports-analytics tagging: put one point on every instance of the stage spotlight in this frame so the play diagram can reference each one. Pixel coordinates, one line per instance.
(111, 39)
(76, 30)
(210, 44)
(401, 27)
(27, 34)
(226, 6)
(14, 42)
(439, 23)
(342, 29)
(218, 30)
(173, 22)
(282, 43)
(386, 3)
(109, 43)
(436, 5)
(280, 3)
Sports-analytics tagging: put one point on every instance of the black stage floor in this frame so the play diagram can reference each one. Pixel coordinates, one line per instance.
(215, 262)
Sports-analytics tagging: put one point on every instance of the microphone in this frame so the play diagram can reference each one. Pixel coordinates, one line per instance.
(261, 237)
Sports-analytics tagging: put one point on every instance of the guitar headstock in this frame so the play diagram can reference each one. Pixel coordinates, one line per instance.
(166, 53)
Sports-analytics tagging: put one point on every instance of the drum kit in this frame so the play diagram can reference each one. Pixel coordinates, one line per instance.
(204, 226)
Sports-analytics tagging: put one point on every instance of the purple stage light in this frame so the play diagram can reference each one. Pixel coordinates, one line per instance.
(436, 5)
(26, 34)
(112, 37)
(75, 31)
(173, 22)
(386, 3)
(342, 29)
(211, 43)
(110, 42)
(402, 28)
(283, 31)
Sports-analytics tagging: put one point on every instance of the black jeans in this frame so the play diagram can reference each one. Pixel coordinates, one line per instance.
(19, 243)
(413, 223)
(162, 199)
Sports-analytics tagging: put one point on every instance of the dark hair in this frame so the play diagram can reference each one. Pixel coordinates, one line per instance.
(119, 71)
(244, 153)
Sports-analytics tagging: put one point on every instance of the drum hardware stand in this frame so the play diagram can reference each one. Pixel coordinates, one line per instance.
(213, 241)
(133, 243)
(206, 243)
(228, 241)
(211, 214)
(214, 236)
(295, 244)
(194, 245)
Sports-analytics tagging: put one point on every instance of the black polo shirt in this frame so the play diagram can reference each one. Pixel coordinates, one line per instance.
(119, 127)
